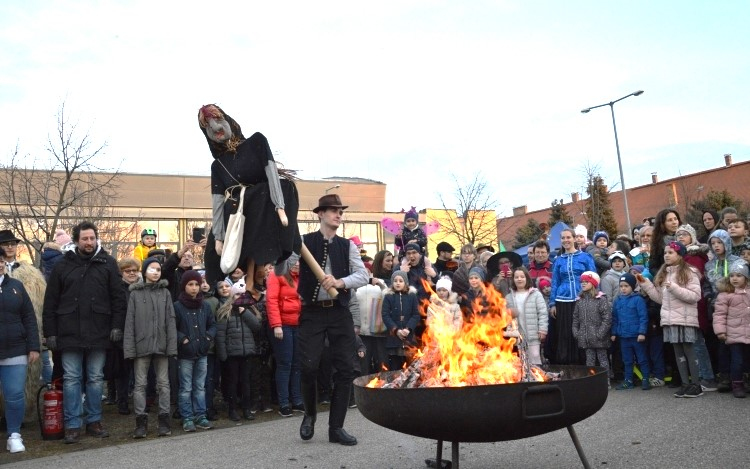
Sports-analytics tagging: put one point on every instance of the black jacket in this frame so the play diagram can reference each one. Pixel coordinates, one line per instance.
(235, 334)
(19, 333)
(84, 301)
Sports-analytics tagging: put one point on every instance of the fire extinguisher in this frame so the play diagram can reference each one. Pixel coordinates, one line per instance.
(51, 414)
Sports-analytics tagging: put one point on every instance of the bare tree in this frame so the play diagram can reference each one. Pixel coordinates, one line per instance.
(40, 194)
(474, 207)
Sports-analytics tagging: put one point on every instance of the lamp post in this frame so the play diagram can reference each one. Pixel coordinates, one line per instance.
(611, 105)
(333, 187)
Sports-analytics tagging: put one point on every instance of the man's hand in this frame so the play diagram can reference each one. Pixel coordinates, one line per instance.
(185, 247)
(330, 281)
(52, 342)
(33, 356)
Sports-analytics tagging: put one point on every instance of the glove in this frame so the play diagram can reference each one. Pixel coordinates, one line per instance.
(115, 335)
(52, 342)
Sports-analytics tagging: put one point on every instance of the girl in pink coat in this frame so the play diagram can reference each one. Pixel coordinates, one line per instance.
(732, 321)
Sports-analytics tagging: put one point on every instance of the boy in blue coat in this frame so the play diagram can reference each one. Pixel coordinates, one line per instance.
(629, 323)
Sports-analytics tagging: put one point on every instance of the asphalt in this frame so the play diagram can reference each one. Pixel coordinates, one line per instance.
(634, 429)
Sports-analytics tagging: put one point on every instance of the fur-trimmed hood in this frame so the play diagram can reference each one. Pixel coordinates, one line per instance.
(141, 285)
(391, 291)
(698, 248)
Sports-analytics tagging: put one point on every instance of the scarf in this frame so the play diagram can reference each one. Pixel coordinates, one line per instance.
(190, 302)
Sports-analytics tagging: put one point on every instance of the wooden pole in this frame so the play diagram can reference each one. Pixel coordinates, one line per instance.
(315, 267)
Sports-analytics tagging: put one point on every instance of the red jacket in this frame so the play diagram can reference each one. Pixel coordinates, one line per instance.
(283, 303)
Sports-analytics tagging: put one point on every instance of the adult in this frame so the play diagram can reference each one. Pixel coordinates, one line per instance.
(324, 317)
(9, 249)
(710, 220)
(566, 285)
(177, 263)
(469, 259)
(84, 312)
(727, 216)
(417, 270)
(482, 247)
(540, 265)
(665, 227)
(444, 262)
(19, 347)
(499, 269)
(271, 201)
(382, 268)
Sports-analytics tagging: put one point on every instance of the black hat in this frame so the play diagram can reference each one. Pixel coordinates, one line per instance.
(443, 246)
(7, 235)
(493, 262)
(329, 201)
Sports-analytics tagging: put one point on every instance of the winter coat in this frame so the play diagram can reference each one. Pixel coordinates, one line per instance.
(234, 334)
(696, 256)
(610, 285)
(629, 316)
(283, 303)
(566, 275)
(533, 317)
(417, 236)
(601, 258)
(679, 304)
(732, 317)
(19, 332)
(592, 321)
(84, 301)
(537, 271)
(196, 325)
(716, 268)
(400, 311)
(150, 322)
(50, 258)
(141, 251)
(449, 308)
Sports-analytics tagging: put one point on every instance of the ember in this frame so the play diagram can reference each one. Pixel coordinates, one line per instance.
(481, 352)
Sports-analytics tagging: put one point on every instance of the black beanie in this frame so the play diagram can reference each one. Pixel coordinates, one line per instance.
(148, 262)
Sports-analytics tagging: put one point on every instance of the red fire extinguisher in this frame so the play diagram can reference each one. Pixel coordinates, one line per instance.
(51, 416)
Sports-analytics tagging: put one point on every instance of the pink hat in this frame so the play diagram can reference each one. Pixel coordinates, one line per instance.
(61, 237)
(544, 282)
(355, 239)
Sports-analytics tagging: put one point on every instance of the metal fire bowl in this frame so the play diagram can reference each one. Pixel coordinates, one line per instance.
(497, 412)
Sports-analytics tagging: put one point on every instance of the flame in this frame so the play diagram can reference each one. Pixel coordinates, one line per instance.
(476, 353)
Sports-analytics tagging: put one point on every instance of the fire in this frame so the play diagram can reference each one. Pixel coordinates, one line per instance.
(480, 352)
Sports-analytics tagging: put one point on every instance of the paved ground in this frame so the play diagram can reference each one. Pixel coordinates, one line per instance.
(634, 429)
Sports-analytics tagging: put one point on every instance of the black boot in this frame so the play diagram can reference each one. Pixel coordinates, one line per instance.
(738, 389)
(141, 426)
(165, 427)
(234, 416)
(310, 400)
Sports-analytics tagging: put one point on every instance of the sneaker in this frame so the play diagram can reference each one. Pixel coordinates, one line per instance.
(709, 385)
(15, 443)
(680, 392)
(646, 385)
(625, 385)
(203, 423)
(298, 408)
(693, 390)
(656, 382)
(285, 411)
(188, 425)
(267, 408)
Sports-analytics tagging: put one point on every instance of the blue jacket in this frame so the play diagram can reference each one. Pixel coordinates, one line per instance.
(566, 275)
(198, 326)
(400, 310)
(19, 333)
(629, 316)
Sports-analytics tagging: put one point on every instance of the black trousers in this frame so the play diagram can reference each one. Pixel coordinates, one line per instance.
(238, 371)
(335, 323)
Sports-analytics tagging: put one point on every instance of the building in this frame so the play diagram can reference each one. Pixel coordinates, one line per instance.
(647, 200)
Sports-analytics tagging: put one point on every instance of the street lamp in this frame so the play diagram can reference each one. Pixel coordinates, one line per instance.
(333, 187)
(611, 105)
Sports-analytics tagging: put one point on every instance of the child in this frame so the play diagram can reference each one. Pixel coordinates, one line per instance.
(592, 320)
(599, 251)
(610, 284)
(732, 322)
(745, 252)
(738, 232)
(444, 301)
(531, 312)
(581, 239)
(400, 316)
(411, 233)
(235, 342)
(196, 329)
(150, 337)
(475, 296)
(148, 242)
(545, 286)
(677, 288)
(630, 324)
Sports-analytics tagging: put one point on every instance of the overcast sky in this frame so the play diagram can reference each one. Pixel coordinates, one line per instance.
(408, 93)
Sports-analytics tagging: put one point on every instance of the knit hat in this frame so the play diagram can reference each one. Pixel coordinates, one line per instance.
(146, 263)
(400, 273)
(189, 276)
(444, 282)
(601, 234)
(637, 268)
(618, 255)
(61, 237)
(739, 267)
(478, 271)
(581, 230)
(443, 246)
(544, 282)
(629, 279)
(412, 247)
(691, 231)
(678, 247)
(591, 277)
(412, 213)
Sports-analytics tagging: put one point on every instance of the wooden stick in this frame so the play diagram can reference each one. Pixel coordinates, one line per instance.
(315, 267)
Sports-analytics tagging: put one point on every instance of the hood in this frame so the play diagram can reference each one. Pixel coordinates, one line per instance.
(141, 285)
(723, 235)
(217, 149)
(452, 298)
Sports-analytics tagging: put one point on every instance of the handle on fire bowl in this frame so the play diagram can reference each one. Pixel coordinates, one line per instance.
(542, 397)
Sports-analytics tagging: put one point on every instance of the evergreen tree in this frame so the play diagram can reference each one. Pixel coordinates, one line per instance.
(558, 212)
(598, 208)
(714, 200)
(527, 234)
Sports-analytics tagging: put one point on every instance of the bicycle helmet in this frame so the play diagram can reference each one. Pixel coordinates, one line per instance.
(148, 232)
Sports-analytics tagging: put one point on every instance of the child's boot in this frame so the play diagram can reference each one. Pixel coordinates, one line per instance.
(165, 427)
(141, 426)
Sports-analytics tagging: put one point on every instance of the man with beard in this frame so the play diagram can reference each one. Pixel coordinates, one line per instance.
(84, 312)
